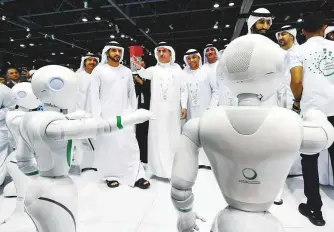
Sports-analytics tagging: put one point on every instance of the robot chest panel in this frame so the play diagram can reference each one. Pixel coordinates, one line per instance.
(275, 134)
(35, 127)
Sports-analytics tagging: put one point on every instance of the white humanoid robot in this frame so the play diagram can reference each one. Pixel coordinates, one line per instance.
(20, 165)
(251, 148)
(51, 199)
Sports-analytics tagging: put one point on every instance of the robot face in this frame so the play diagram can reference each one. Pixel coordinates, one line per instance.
(55, 85)
(252, 64)
(24, 96)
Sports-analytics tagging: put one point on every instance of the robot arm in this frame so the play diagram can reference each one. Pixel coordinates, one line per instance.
(318, 133)
(91, 128)
(185, 169)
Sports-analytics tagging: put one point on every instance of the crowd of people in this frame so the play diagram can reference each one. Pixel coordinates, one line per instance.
(106, 88)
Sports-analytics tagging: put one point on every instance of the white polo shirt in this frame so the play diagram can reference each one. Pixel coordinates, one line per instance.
(316, 56)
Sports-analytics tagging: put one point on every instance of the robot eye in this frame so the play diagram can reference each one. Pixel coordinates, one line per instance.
(21, 94)
(56, 84)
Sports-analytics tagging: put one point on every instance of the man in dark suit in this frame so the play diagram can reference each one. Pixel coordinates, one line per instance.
(143, 92)
(13, 77)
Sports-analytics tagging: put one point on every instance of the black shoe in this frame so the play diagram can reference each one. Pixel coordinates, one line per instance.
(314, 217)
(278, 202)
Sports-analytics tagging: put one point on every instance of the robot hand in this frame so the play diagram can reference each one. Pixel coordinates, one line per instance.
(138, 116)
(186, 222)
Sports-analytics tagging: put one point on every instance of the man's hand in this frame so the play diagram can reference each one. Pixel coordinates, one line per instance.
(186, 222)
(136, 62)
(183, 113)
(139, 81)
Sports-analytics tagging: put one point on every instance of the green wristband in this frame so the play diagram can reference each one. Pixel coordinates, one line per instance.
(119, 122)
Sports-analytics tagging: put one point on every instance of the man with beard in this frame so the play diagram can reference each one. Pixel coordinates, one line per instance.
(169, 98)
(203, 92)
(113, 93)
(211, 60)
(259, 21)
(84, 151)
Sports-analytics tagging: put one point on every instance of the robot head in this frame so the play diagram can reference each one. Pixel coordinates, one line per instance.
(252, 64)
(24, 97)
(55, 85)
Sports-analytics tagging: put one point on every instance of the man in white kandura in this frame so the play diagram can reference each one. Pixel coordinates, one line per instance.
(84, 151)
(113, 93)
(251, 148)
(203, 92)
(169, 98)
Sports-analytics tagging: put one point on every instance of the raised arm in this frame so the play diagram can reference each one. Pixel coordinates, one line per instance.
(318, 132)
(185, 169)
(146, 73)
(93, 127)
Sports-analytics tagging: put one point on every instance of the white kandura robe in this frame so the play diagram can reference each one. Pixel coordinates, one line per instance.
(113, 94)
(84, 153)
(168, 95)
(203, 94)
(225, 98)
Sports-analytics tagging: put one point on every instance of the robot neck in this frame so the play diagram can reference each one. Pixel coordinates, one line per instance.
(48, 107)
(248, 99)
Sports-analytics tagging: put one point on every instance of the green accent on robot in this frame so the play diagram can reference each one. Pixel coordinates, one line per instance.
(119, 122)
(34, 173)
(69, 152)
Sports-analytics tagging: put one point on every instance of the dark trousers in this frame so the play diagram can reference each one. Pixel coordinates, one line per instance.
(311, 176)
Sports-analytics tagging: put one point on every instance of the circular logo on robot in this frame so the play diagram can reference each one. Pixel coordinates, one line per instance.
(249, 173)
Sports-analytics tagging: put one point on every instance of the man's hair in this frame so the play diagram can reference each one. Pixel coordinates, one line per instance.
(10, 69)
(314, 22)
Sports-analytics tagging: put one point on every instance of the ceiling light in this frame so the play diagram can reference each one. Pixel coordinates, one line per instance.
(287, 18)
(147, 30)
(122, 35)
(300, 20)
(22, 46)
(131, 39)
(216, 5)
(31, 44)
(112, 36)
(68, 64)
(214, 40)
(62, 53)
(227, 26)
(111, 24)
(225, 39)
(231, 4)
(28, 29)
(53, 54)
(171, 27)
(98, 18)
(28, 35)
(11, 39)
(215, 27)
(3, 18)
(84, 19)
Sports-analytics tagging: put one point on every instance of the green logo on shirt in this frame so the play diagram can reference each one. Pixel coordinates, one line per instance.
(324, 63)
